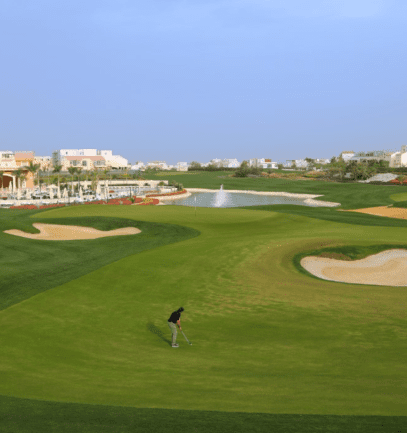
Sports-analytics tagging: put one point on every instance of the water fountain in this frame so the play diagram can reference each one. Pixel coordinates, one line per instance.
(220, 198)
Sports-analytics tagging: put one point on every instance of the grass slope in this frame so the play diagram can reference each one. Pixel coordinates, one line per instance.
(332, 214)
(32, 266)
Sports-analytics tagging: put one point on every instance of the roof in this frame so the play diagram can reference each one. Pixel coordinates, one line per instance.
(79, 158)
(24, 155)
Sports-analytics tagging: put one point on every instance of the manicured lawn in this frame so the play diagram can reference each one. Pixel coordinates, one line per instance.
(269, 342)
(32, 266)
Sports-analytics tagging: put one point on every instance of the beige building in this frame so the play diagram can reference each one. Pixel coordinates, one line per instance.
(399, 159)
(12, 161)
(84, 162)
(89, 159)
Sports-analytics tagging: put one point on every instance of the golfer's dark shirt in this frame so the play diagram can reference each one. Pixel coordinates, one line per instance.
(174, 317)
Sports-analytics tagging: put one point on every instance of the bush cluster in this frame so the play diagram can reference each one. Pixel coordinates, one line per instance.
(244, 171)
(167, 194)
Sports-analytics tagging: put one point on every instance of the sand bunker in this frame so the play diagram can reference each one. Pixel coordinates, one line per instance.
(388, 268)
(56, 232)
(392, 212)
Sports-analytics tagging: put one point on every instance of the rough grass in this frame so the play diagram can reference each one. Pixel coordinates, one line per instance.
(271, 346)
(31, 416)
(400, 204)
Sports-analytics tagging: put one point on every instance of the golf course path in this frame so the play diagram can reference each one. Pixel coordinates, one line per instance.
(388, 268)
(56, 232)
(392, 212)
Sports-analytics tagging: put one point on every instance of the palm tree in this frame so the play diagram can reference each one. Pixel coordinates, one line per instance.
(34, 168)
(79, 170)
(72, 171)
(57, 169)
(22, 177)
(17, 174)
(95, 178)
(1, 179)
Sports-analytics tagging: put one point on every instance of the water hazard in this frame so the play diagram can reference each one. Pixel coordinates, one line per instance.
(223, 198)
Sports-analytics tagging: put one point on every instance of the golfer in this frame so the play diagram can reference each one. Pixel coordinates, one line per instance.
(175, 319)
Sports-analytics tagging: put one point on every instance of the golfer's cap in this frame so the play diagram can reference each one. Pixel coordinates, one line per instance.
(181, 309)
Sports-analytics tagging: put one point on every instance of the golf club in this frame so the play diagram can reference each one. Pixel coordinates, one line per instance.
(186, 338)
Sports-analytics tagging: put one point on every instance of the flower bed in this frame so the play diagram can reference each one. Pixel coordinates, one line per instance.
(114, 201)
(167, 194)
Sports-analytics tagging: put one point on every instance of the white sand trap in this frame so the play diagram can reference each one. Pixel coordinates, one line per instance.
(388, 268)
(56, 232)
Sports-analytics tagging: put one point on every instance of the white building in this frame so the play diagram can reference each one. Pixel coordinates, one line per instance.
(162, 165)
(262, 163)
(322, 161)
(218, 162)
(299, 163)
(139, 165)
(45, 162)
(89, 159)
(182, 166)
(231, 163)
(347, 155)
(377, 155)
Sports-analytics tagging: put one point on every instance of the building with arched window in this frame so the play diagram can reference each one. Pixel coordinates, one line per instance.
(14, 171)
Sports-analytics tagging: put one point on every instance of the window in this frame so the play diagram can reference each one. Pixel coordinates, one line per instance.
(84, 163)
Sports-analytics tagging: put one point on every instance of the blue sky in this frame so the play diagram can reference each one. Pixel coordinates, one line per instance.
(195, 80)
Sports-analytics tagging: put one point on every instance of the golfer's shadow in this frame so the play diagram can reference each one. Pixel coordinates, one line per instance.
(157, 331)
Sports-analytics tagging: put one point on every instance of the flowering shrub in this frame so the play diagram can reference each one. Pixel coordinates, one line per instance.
(152, 201)
(167, 194)
(115, 201)
(27, 206)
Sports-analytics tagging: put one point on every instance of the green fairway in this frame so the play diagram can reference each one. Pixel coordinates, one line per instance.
(268, 340)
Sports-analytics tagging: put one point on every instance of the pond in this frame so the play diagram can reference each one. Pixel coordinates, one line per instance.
(223, 198)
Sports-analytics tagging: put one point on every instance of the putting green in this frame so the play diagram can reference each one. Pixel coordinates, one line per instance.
(402, 196)
(266, 338)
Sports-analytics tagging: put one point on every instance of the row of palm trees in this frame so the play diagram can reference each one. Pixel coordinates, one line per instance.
(21, 175)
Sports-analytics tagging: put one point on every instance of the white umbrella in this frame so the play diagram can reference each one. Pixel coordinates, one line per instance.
(98, 189)
(51, 193)
(65, 193)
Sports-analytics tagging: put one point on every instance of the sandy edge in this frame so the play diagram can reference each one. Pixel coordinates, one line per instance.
(56, 232)
(387, 268)
(383, 211)
(308, 197)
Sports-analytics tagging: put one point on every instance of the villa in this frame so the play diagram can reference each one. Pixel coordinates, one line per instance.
(10, 162)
